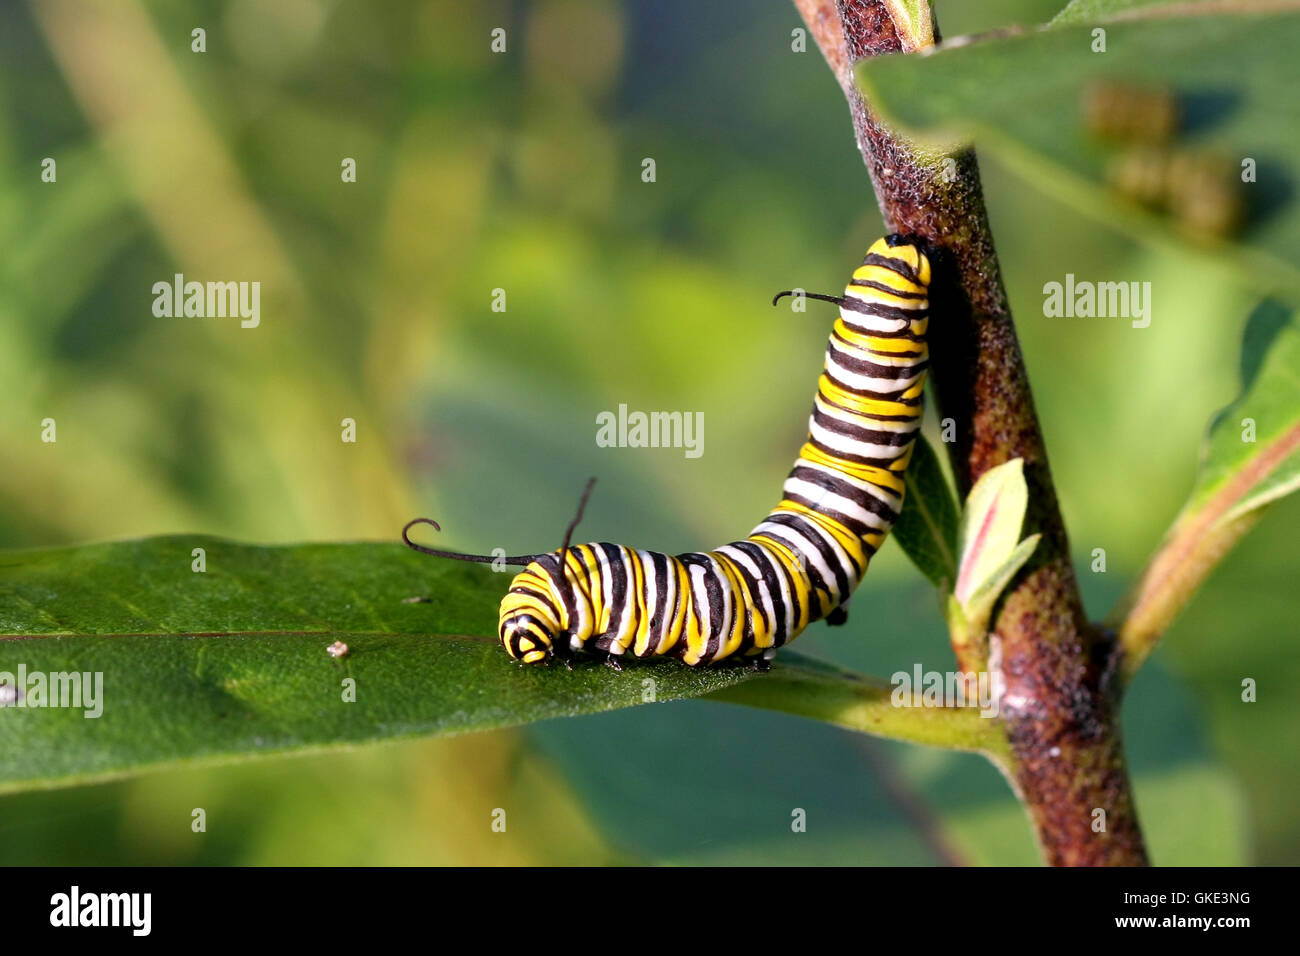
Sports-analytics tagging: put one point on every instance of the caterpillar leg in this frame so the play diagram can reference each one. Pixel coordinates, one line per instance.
(838, 616)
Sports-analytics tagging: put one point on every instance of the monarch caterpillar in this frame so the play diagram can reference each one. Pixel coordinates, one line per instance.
(803, 561)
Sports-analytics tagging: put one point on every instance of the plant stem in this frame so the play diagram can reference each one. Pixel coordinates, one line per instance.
(1059, 711)
(849, 700)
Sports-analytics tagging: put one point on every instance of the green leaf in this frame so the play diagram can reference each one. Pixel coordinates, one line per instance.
(1022, 96)
(1261, 470)
(981, 602)
(1251, 457)
(927, 526)
(1091, 11)
(231, 662)
(988, 540)
(989, 531)
(913, 22)
(1095, 11)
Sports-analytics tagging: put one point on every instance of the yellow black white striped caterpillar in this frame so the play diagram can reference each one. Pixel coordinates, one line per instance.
(802, 563)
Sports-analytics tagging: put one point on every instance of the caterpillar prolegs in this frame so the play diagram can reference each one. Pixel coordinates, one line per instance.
(803, 561)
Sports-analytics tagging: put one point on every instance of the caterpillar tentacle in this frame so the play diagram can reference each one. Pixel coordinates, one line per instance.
(804, 560)
(836, 299)
(519, 560)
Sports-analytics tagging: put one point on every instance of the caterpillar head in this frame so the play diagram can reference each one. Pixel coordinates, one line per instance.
(526, 638)
(531, 612)
(528, 626)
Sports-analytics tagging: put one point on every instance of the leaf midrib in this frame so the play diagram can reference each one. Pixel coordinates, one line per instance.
(66, 635)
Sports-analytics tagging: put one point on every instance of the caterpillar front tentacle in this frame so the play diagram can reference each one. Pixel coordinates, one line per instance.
(804, 560)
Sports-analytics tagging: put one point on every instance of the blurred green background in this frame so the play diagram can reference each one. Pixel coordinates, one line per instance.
(522, 171)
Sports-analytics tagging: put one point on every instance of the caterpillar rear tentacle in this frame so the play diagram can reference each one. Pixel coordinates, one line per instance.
(804, 560)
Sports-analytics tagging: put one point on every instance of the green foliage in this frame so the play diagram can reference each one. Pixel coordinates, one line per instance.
(1256, 440)
(927, 526)
(1093, 11)
(232, 662)
(1022, 96)
(988, 536)
(989, 546)
(913, 21)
